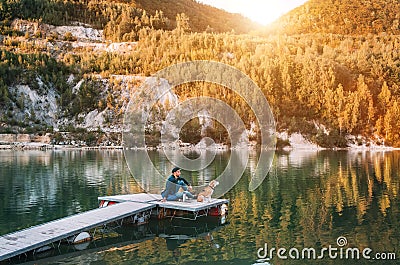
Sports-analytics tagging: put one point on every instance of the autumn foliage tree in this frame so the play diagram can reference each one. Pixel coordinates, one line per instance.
(319, 81)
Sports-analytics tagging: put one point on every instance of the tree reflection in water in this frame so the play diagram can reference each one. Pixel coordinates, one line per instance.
(309, 199)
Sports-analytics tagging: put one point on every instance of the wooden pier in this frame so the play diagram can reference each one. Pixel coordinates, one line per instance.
(166, 230)
(131, 208)
(52, 232)
(190, 209)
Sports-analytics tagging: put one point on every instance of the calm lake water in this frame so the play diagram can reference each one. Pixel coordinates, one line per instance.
(308, 200)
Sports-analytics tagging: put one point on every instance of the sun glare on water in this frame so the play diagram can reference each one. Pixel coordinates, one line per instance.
(261, 11)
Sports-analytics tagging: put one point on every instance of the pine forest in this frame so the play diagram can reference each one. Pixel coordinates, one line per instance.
(329, 69)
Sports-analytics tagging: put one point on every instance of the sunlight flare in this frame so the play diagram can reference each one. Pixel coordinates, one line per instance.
(260, 11)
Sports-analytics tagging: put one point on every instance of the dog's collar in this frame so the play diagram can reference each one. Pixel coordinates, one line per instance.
(211, 187)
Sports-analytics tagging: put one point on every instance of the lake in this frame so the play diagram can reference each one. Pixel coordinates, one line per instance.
(332, 200)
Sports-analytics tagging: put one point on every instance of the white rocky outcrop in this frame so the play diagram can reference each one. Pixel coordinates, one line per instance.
(41, 106)
(79, 31)
(94, 119)
(298, 141)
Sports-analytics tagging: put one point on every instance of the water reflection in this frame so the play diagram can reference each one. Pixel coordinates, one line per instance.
(309, 199)
(152, 176)
(227, 168)
(38, 186)
(312, 200)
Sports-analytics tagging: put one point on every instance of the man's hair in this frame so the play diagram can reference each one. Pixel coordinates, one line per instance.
(175, 169)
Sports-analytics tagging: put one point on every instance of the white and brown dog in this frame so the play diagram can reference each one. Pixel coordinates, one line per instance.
(205, 194)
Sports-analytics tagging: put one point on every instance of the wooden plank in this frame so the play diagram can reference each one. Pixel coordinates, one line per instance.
(138, 197)
(32, 238)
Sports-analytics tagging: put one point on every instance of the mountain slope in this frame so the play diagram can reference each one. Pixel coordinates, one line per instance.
(201, 16)
(325, 85)
(342, 17)
(125, 16)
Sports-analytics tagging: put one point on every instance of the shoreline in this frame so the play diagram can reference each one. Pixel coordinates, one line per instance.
(22, 146)
(18, 146)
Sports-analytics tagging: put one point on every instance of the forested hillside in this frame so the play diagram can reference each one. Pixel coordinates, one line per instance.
(202, 17)
(342, 17)
(125, 16)
(324, 85)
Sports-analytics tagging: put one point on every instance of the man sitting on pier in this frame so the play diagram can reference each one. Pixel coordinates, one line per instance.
(173, 185)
